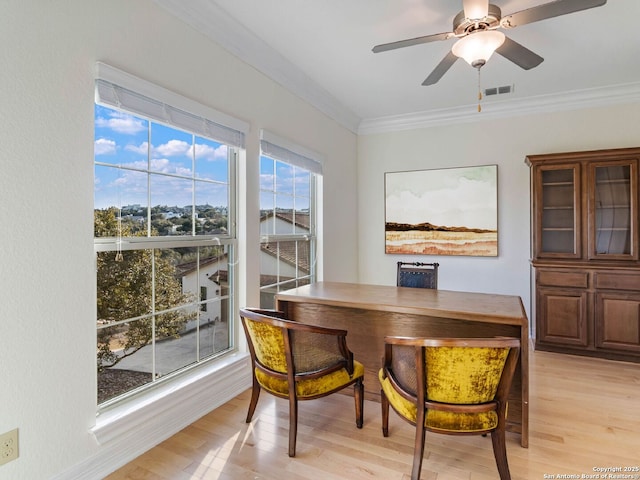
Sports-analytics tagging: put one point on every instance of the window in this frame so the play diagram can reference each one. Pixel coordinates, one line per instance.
(288, 178)
(165, 241)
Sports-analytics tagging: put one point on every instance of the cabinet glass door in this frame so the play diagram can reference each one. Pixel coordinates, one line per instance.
(559, 212)
(612, 212)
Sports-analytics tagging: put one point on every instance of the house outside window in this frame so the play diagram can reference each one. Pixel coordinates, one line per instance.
(288, 241)
(165, 241)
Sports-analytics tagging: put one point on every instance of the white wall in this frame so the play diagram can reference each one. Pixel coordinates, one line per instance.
(47, 334)
(270, 265)
(504, 142)
(203, 277)
(277, 226)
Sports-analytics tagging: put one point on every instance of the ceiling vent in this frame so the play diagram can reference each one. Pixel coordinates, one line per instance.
(498, 90)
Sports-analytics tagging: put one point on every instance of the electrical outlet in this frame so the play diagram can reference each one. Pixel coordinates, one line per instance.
(8, 446)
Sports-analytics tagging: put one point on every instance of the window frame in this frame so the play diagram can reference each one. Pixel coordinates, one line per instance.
(229, 240)
(277, 149)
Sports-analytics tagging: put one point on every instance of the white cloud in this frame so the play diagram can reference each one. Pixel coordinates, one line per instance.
(172, 148)
(161, 165)
(156, 165)
(141, 149)
(104, 146)
(266, 181)
(177, 148)
(164, 165)
(207, 152)
(121, 123)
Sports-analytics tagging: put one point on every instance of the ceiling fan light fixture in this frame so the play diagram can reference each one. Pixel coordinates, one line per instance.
(477, 47)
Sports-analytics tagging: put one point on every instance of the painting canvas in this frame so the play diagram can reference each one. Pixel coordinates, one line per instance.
(451, 211)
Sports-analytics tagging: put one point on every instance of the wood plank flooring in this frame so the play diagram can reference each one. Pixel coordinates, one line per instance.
(584, 414)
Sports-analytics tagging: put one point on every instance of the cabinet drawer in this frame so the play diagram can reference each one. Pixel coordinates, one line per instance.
(617, 281)
(556, 278)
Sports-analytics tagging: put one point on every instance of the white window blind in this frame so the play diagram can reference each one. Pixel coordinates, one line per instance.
(121, 90)
(281, 149)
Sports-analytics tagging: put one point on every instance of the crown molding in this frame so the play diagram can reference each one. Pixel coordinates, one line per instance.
(574, 100)
(215, 23)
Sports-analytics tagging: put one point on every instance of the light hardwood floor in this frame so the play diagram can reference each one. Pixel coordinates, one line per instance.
(584, 414)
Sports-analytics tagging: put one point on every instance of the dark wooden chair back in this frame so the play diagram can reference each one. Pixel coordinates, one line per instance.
(417, 274)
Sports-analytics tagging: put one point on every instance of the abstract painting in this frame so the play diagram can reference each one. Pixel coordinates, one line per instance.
(449, 211)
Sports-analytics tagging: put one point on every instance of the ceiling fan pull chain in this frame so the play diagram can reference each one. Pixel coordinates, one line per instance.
(479, 92)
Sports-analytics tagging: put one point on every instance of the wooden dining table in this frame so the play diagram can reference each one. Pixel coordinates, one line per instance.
(371, 312)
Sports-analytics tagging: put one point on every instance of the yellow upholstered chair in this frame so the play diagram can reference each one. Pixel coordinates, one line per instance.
(298, 361)
(450, 385)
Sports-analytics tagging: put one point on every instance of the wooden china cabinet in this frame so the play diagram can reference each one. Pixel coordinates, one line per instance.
(585, 245)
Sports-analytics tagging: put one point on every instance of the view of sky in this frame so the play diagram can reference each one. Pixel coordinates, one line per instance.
(283, 186)
(452, 197)
(165, 161)
(158, 157)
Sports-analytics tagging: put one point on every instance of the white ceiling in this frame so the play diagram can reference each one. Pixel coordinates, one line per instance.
(321, 50)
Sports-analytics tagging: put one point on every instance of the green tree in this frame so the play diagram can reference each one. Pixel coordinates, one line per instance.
(125, 290)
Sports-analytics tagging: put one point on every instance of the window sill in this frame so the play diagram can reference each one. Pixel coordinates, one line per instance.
(160, 413)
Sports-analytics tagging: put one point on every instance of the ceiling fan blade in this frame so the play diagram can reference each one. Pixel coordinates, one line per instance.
(475, 9)
(548, 10)
(412, 41)
(521, 56)
(444, 65)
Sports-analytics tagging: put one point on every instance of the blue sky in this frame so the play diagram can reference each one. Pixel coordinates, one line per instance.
(283, 186)
(165, 153)
(161, 159)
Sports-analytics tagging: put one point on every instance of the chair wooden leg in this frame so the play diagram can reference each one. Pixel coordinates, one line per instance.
(358, 395)
(255, 393)
(293, 425)
(500, 452)
(418, 452)
(384, 402)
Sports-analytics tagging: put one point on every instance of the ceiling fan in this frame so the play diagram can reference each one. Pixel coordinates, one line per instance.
(477, 29)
